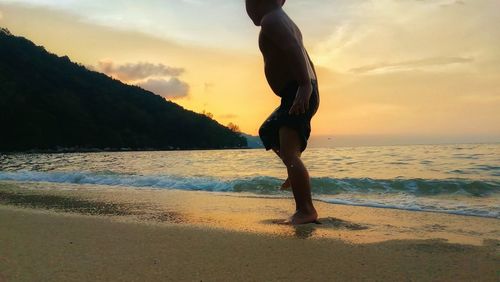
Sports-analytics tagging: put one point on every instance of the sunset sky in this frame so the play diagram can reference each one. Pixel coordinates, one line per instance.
(390, 71)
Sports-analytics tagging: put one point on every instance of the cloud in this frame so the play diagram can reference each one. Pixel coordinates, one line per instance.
(399, 31)
(228, 116)
(193, 2)
(137, 71)
(411, 64)
(456, 2)
(208, 86)
(179, 21)
(169, 88)
(158, 78)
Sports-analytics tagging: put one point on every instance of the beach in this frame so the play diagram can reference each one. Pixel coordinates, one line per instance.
(64, 232)
(178, 140)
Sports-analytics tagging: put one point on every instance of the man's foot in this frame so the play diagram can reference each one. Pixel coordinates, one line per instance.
(286, 185)
(302, 218)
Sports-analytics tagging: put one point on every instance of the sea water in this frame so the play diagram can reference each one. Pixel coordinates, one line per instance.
(461, 179)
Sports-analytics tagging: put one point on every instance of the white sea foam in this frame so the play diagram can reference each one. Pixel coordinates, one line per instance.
(463, 179)
(408, 194)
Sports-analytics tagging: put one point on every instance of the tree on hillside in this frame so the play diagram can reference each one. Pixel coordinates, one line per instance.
(48, 102)
(233, 127)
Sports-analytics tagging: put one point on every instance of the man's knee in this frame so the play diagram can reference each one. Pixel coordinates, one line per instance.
(262, 130)
(289, 158)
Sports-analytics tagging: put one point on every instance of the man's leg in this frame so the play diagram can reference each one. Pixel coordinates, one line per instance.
(299, 176)
(286, 185)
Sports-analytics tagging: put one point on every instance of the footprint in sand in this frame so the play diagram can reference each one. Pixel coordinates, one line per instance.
(325, 222)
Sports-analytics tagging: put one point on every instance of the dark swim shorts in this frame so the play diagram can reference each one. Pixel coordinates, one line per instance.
(269, 130)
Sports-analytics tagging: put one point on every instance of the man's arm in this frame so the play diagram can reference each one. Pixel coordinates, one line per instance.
(312, 65)
(281, 34)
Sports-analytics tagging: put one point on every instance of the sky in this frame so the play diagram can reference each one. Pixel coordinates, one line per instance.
(390, 71)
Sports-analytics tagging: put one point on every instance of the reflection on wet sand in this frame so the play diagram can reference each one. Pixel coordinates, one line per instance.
(307, 230)
(61, 203)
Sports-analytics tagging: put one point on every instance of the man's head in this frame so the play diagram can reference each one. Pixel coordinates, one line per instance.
(257, 9)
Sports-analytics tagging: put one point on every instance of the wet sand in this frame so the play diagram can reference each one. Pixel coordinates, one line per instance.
(86, 232)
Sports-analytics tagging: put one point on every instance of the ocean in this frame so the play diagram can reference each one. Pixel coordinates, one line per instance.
(459, 179)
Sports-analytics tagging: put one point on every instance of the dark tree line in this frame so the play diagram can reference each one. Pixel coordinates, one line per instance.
(48, 102)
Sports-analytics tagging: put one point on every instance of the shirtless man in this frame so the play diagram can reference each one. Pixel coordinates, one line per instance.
(291, 75)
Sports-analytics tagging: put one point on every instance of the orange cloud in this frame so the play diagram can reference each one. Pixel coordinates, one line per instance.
(137, 71)
(412, 64)
(157, 78)
(228, 116)
(169, 88)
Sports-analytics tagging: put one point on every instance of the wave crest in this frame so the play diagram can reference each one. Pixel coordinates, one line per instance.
(265, 184)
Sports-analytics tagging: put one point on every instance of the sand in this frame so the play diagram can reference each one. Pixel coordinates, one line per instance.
(54, 232)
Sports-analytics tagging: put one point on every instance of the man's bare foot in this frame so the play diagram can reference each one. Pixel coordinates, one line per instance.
(300, 217)
(286, 185)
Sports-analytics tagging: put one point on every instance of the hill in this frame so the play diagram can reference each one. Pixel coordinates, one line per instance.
(253, 142)
(48, 102)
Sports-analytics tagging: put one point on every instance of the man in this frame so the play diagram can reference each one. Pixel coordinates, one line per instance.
(291, 75)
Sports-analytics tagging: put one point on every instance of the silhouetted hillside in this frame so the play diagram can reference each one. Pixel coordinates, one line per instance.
(48, 102)
(253, 142)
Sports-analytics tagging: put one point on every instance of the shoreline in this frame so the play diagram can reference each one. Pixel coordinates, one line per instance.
(247, 212)
(374, 206)
(113, 150)
(116, 150)
(485, 206)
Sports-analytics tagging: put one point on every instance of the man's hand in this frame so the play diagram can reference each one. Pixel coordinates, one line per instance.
(301, 102)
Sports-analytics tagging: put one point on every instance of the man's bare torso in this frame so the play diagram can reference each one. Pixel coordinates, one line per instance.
(277, 68)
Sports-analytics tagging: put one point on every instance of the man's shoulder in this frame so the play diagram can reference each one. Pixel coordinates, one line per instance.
(273, 18)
